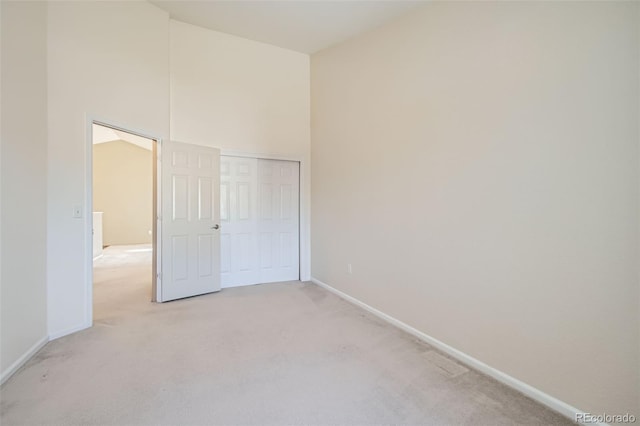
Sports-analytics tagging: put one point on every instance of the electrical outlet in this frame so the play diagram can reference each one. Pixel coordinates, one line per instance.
(77, 211)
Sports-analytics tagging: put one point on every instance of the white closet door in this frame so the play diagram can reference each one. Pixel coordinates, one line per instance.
(278, 215)
(238, 216)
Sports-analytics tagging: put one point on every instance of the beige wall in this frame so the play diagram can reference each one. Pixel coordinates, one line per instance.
(243, 97)
(23, 177)
(477, 164)
(123, 191)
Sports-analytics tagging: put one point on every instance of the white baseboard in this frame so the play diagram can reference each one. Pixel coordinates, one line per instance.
(62, 333)
(533, 393)
(23, 359)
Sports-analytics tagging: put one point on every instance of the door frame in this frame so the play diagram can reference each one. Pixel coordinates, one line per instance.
(88, 207)
(304, 269)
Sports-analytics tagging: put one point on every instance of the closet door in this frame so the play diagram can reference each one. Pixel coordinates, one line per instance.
(238, 219)
(278, 216)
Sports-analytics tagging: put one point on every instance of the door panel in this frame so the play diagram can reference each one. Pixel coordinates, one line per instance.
(278, 221)
(239, 221)
(259, 213)
(190, 211)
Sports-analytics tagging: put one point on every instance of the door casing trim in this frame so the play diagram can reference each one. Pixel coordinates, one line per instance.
(90, 120)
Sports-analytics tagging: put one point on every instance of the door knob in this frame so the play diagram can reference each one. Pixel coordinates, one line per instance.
(216, 226)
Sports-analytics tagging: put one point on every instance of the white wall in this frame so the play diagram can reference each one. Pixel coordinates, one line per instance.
(23, 309)
(478, 165)
(242, 97)
(110, 61)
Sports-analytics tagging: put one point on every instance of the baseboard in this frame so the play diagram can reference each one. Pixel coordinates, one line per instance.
(536, 394)
(23, 359)
(65, 332)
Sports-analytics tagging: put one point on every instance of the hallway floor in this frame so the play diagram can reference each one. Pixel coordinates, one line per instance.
(285, 353)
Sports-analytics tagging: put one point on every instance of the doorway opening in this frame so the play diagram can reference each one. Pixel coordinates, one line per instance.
(123, 213)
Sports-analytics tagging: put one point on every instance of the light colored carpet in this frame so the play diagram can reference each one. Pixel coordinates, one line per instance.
(286, 353)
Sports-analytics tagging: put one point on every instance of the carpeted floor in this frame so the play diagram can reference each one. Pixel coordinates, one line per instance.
(273, 354)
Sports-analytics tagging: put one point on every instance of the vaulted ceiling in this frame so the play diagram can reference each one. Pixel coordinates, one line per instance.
(304, 26)
(102, 134)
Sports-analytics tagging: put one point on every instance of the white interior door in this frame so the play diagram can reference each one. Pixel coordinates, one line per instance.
(238, 219)
(190, 254)
(278, 217)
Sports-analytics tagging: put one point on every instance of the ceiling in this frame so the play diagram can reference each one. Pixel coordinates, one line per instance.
(305, 26)
(102, 134)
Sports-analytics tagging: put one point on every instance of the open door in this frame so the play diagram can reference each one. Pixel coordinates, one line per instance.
(190, 217)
